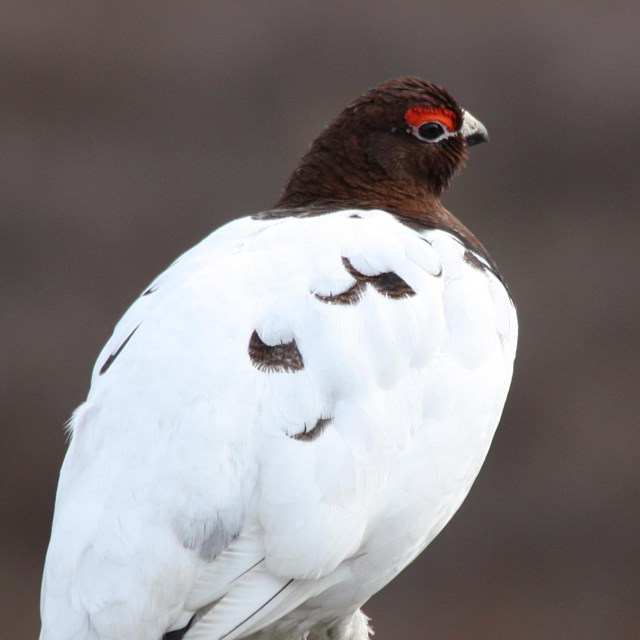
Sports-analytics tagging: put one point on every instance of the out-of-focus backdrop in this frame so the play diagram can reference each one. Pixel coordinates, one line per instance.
(128, 131)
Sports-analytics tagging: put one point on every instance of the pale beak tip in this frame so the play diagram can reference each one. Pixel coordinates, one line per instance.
(473, 131)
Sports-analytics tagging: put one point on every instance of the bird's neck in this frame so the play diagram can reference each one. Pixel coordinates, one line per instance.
(321, 185)
(323, 182)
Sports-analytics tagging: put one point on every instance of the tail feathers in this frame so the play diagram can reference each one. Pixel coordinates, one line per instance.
(256, 600)
(237, 595)
(243, 555)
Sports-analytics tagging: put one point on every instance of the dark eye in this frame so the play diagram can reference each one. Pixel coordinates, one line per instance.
(431, 131)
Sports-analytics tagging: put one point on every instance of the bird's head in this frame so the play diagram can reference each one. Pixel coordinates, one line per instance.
(396, 147)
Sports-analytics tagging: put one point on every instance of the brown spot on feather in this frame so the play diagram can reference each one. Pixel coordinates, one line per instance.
(387, 283)
(352, 271)
(284, 357)
(312, 434)
(348, 296)
(471, 259)
(392, 285)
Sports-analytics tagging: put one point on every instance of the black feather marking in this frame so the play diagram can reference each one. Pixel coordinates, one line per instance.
(251, 568)
(111, 359)
(178, 634)
(281, 357)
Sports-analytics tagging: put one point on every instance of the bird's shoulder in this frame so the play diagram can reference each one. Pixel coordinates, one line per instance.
(295, 268)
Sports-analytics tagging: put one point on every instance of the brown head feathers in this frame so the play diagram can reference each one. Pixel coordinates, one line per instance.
(397, 148)
(372, 154)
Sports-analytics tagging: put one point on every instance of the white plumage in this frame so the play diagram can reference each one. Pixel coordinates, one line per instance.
(184, 484)
(292, 411)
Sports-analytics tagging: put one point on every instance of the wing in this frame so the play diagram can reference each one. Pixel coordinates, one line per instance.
(243, 423)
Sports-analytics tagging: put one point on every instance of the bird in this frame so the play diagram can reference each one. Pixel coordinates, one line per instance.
(291, 412)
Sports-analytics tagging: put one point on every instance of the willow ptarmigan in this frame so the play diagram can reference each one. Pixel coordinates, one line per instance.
(292, 411)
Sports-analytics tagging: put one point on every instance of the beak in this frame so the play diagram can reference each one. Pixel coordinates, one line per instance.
(472, 130)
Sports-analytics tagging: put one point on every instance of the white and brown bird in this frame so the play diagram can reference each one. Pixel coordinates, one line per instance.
(290, 413)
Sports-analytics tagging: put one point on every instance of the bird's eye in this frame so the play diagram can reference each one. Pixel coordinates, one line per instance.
(431, 131)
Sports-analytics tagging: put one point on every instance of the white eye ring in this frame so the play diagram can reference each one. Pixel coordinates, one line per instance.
(431, 131)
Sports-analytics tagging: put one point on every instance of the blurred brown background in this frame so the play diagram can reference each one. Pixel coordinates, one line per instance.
(128, 131)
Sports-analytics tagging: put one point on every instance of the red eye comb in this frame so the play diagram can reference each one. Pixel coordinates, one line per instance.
(415, 116)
